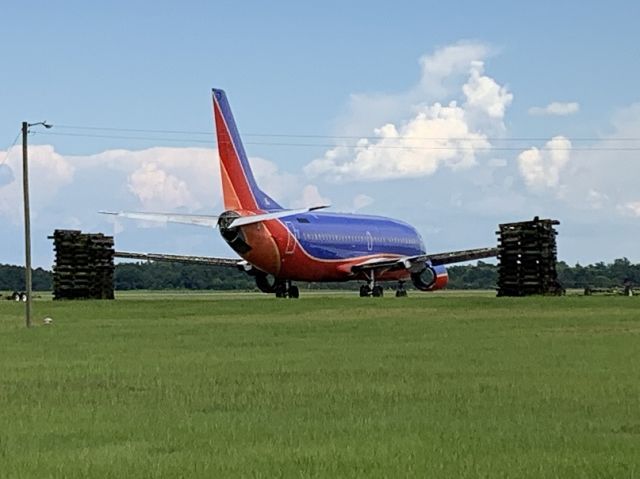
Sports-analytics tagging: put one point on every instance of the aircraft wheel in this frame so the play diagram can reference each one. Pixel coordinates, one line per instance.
(364, 291)
(281, 290)
(294, 292)
(377, 292)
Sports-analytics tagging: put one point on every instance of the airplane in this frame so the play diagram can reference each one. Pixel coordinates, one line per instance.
(278, 246)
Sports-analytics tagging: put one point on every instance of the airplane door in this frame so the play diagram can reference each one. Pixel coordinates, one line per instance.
(369, 241)
(291, 240)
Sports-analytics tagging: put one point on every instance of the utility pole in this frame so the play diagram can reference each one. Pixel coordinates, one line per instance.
(27, 215)
(27, 220)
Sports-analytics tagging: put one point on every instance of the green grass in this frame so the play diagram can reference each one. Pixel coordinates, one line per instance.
(238, 385)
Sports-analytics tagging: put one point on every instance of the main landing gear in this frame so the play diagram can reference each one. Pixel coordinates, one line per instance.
(375, 290)
(284, 289)
(371, 288)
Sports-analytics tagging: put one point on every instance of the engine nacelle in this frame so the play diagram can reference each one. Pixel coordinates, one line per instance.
(233, 236)
(430, 278)
(266, 282)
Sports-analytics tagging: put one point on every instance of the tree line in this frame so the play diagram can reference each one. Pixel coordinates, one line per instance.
(161, 275)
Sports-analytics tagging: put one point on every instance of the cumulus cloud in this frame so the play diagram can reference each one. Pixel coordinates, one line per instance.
(435, 134)
(280, 185)
(309, 197)
(439, 69)
(541, 168)
(152, 179)
(393, 154)
(154, 186)
(440, 76)
(556, 108)
(6, 175)
(49, 172)
(601, 177)
(485, 94)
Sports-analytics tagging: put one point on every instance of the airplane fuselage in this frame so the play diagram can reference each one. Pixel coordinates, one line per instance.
(323, 246)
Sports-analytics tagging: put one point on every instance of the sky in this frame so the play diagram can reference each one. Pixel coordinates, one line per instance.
(452, 116)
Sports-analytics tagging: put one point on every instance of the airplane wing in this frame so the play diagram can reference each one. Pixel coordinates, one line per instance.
(209, 221)
(415, 263)
(208, 260)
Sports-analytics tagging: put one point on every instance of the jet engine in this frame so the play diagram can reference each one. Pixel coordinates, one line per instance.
(233, 236)
(265, 282)
(430, 278)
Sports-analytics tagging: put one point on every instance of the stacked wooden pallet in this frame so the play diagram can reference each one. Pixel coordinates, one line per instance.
(527, 253)
(84, 265)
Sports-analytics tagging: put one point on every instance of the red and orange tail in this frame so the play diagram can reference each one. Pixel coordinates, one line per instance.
(239, 188)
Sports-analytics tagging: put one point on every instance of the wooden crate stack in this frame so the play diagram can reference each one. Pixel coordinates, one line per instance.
(84, 265)
(527, 253)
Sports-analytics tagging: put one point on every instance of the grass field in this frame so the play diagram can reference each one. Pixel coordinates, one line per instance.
(236, 385)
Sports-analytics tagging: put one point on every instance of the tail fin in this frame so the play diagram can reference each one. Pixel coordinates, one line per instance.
(239, 187)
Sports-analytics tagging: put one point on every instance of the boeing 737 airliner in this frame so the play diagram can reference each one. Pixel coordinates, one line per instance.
(279, 246)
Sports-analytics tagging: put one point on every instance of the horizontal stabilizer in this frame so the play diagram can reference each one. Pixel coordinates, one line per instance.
(209, 221)
(198, 220)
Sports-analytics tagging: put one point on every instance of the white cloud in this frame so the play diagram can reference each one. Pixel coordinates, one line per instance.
(631, 208)
(601, 178)
(6, 174)
(429, 135)
(393, 154)
(556, 108)
(441, 75)
(48, 173)
(484, 94)
(162, 177)
(153, 179)
(281, 186)
(497, 163)
(442, 66)
(309, 197)
(541, 168)
(155, 187)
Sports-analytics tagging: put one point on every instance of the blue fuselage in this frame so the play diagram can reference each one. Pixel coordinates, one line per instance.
(331, 236)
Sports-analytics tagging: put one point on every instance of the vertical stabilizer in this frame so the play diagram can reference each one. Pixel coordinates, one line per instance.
(239, 187)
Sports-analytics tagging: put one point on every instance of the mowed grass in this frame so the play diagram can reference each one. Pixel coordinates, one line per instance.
(325, 386)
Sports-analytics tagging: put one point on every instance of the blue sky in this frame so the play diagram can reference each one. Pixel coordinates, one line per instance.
(561, 74)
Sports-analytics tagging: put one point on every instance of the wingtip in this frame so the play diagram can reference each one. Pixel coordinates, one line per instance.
(321, 207)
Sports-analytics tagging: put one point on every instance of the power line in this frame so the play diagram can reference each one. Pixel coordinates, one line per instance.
(127, 137)
(6, 158)
(330, 137)
(327, 145)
